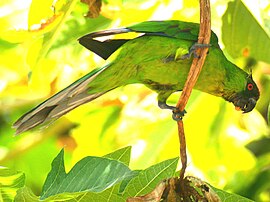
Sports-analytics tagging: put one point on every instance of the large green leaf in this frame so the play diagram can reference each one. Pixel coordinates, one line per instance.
(93, 174)
(56, 175)
(91, 182)
(147, 179)
(230, 197)
(109, 195)
(243, 35)
(122, 155)
(10, 182)
(142, 183)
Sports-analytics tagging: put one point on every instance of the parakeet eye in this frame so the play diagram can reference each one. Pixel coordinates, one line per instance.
(250, 86)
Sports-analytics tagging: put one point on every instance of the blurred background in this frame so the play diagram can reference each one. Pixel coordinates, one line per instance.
(40, 55)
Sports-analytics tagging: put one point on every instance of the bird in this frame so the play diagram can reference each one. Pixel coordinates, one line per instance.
(159, 57)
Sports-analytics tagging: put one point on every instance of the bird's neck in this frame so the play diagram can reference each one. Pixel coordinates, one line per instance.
(235, 81)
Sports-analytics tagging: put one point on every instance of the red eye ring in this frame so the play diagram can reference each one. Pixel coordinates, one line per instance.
(250, 86)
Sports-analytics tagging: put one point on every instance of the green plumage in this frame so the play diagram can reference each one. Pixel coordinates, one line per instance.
(156, 59)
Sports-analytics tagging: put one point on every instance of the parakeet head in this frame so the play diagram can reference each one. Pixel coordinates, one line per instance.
(246, 100)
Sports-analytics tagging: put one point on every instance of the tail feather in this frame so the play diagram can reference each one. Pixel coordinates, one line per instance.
(21, 125)
(67, 105)
(61, 103)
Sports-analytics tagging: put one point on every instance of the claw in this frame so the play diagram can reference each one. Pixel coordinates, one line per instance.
(177, 114)
(192, 50)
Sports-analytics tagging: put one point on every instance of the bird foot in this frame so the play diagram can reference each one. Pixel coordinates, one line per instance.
(192, 50)
(177, 114)
(163, 105)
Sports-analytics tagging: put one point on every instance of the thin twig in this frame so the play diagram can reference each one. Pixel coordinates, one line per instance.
(195, 69)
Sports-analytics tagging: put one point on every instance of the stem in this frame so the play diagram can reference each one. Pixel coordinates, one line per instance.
(183, 153)
(194, 72)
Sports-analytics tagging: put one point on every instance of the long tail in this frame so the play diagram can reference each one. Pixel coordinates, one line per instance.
(61, 103)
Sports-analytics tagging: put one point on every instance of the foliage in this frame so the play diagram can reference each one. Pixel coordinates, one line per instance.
(10, 181)
(40, 56)
(243, 42)
(115, 181)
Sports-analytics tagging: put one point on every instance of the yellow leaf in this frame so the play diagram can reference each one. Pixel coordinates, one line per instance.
(40, 10)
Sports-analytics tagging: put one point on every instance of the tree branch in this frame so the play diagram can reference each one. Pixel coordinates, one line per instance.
(195, 69)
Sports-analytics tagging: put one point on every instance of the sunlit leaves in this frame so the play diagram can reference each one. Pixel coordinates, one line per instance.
(122, 155)
(39, 11)
(10, 182)
(93, 174)
(248, 41)
(26, 194)
(124, 183)
(91, 177)
(216, 135)
(146, 180)
(229, 197)
(53, 29)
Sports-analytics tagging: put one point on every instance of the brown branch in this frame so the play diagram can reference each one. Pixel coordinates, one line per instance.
(195, 69)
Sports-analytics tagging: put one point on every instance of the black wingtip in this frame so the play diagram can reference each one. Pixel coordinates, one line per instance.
(102, 48)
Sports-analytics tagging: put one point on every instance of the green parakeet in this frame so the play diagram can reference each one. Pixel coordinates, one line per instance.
(160, 58)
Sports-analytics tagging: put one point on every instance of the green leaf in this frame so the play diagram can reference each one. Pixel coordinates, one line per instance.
(150, 178)
(25, 194)
(147, 179)
(126, 181)
(52, 26)
(93, 174)
(10, 182)
(122, 155)
(243, 35)
(230, 197)
(88, 181)
(6, 45)
(82, 25)
(108, 195)
(56, 175)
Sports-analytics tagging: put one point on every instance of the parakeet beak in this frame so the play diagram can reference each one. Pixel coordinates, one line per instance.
(246, 105)
(250, 105)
